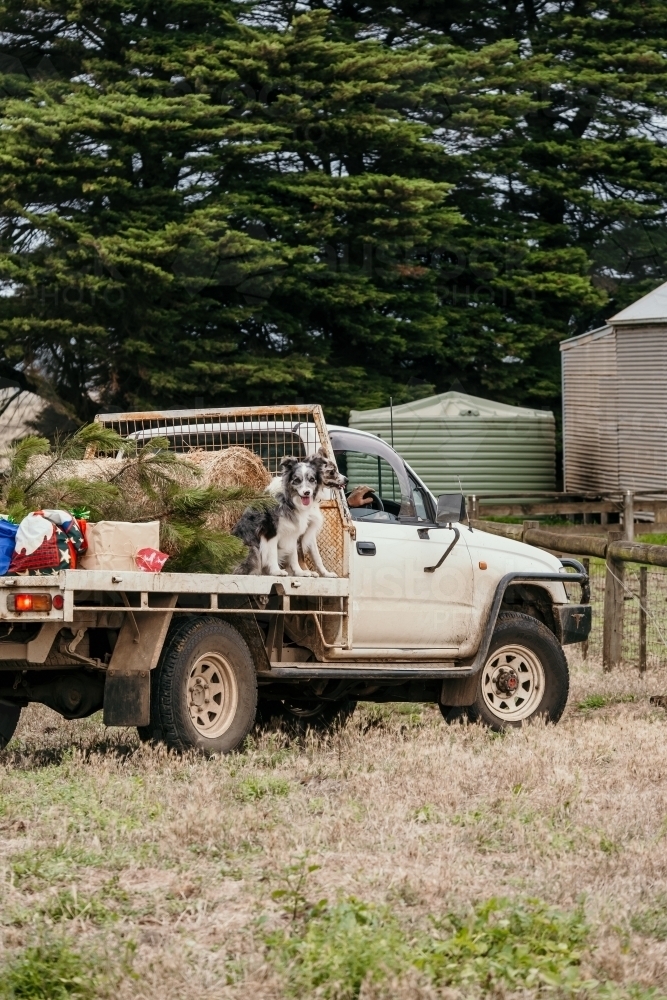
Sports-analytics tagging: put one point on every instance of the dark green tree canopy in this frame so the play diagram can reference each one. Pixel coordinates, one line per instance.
(242, 204)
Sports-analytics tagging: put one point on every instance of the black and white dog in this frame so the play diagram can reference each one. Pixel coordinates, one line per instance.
(273, 537)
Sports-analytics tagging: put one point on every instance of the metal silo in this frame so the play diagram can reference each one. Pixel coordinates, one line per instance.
(491, 447)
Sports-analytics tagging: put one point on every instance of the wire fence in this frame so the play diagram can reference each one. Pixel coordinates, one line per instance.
(655, 604)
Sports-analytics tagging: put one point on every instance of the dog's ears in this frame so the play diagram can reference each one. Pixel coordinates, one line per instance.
(322, 453)
(288, 463)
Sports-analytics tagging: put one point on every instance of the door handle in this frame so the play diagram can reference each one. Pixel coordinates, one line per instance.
(366, 548)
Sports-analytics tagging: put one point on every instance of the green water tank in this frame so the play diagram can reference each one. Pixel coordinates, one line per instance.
(490, 447)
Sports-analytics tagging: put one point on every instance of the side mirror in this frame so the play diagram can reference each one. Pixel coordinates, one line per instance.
(451, 508)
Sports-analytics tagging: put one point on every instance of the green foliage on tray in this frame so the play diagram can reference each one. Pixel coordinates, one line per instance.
(151, 483)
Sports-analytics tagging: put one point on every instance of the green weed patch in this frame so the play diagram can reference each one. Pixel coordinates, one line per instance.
(253, 788)
(594, 701)
(652, 921)
(51, 971)
(498, 945)
(52, 864)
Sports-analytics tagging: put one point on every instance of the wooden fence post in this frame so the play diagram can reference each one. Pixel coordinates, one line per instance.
(643, 601)
(527, 525)
(587, 566)
(612, 633)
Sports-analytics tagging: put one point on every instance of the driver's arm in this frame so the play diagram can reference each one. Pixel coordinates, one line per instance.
(359, 496)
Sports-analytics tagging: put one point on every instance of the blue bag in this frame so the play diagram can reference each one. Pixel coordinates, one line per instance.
(7, 541)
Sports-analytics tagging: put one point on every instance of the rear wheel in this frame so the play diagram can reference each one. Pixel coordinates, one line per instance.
(204, 692)
(9, 720)
(525, 675)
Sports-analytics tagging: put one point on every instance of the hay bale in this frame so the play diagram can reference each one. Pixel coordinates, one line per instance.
(135, 504)
(90, 469)
(224, 469)
(231, 467)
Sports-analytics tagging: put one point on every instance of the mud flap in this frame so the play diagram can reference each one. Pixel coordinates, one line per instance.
(460, 691)
(127, 690)
(575, 622)
(127, 698)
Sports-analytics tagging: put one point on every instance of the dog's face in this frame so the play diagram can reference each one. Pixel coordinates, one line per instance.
(301, 481)
(331, 477)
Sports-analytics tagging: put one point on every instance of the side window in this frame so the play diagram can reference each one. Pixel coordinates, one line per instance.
(369, 470)
(375, 472)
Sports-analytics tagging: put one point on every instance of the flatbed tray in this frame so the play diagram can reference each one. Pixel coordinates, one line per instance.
(179, 583)
(141, 591)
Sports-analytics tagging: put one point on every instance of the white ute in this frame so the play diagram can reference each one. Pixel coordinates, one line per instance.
(423, 608)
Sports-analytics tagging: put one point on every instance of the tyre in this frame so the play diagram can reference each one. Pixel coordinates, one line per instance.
(525, 675)
(204, 693)
(9, 720)
(298, 715)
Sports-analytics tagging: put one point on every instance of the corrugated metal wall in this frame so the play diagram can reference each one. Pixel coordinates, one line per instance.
(490, 455)
(642, 407)
(615, 409)
(590, 413)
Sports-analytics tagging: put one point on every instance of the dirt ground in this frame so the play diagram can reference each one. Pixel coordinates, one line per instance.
(130, 872)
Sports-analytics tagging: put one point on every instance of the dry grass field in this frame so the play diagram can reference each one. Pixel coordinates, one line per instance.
(400, 858)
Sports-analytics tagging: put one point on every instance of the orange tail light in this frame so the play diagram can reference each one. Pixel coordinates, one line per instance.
(29, 602)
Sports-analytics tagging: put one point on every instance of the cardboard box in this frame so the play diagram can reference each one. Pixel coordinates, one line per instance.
(114, 544)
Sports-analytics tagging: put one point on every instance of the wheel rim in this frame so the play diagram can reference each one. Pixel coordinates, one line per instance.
(513, 683)
(212, 695)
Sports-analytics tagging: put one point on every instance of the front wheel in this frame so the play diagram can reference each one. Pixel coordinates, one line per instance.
(525, 675)
(205, 689)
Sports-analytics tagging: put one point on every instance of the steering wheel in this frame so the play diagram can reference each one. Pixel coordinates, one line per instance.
(376, 501)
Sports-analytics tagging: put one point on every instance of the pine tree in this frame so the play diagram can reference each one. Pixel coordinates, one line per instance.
(196, 207)
(243, 205)
(555, 130)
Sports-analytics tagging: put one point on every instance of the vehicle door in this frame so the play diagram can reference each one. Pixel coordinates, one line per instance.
(395, 603)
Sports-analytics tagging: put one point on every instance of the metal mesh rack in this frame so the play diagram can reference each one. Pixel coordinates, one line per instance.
(270, 432)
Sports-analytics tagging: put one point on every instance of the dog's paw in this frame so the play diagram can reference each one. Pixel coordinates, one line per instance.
(280, 572)
(332, 576)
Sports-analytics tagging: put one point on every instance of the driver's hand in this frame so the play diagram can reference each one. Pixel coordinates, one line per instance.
(359, 496)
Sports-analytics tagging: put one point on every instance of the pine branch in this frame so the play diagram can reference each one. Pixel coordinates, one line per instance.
(21, 453)
(199, 550)
(97, 495)
(102, 438)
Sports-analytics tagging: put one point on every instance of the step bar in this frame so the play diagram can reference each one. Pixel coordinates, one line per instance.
(365, 671)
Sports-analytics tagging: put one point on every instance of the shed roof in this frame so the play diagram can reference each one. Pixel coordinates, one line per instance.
(601, 331)
(450, 405)
(650, 308)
